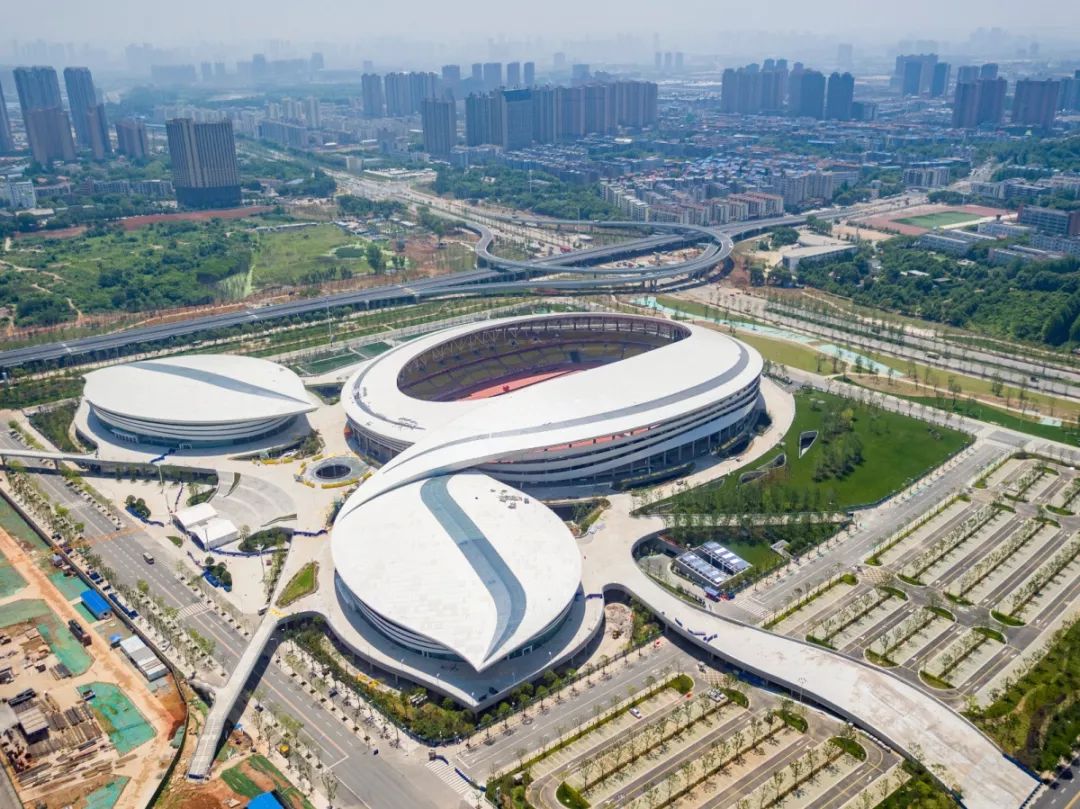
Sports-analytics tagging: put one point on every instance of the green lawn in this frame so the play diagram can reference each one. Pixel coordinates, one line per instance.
(895, 449)
(1038, 718)
(1002, 418)
(303, 583)
(242, 784)
(305, 255)
(792, 355)
(939, 220)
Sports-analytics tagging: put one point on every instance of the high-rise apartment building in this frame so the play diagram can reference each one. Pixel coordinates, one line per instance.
(131, 139)
(513, 74)
(635, 103)
(979, 102)
(752, 89)
(49, 132)
(422, 86)
(451, 81)
(529, 75)
(812, 95)
(914, 72)
(839, 96)
(48, 128)
(478, 117)
(939, 81)
(988, 71)
(493, 75)
(98, 128)
(82, 97)
(398, 94)
(545, 115)
(438, 120)
(514, 119)
(570, 103)
(7, 142)
(966, 73)
(477, 73)
(312, 112)
(992, 99)
(38, 88)
(371, 92)
(599, 108)
(1035, 102)
(794, 88)
(517, 118)
(204, 166)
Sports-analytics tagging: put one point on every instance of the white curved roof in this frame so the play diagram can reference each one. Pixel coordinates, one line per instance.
(198, 389)
(653, 387)
(463, 560)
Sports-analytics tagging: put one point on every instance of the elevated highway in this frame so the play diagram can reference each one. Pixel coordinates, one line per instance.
(568, 272)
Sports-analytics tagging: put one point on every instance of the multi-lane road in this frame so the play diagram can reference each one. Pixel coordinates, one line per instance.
(366, 780)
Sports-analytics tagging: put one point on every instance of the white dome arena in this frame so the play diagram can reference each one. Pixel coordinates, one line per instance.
(436, 559)
(196, 400)
(457, 567)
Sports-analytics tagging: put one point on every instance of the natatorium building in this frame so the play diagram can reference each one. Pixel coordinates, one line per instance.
(446, 548)
(199, 400)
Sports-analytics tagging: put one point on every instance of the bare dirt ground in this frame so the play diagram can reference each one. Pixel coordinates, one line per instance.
(146, 764)
(136, 222)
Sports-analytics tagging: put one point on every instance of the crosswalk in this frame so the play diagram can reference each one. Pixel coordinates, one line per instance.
(446, 773)
(754, 607)
(190, 610)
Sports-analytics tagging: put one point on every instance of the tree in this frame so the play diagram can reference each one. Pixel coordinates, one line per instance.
(330, 785)
(375, 258)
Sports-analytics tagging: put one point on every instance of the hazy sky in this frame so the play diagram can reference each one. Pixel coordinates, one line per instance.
(698, 23)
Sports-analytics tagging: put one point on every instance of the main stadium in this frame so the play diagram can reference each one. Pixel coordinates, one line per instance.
(448, 548)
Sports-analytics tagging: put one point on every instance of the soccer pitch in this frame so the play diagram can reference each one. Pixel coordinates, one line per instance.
(939, 220)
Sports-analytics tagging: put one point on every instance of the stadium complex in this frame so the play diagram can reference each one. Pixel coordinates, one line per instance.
(447, 548)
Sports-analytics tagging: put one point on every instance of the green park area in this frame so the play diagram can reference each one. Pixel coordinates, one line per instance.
(307, 255)
(939, 219)
(166, 265)
(1037, 717)
(782, 352)
(860, 455)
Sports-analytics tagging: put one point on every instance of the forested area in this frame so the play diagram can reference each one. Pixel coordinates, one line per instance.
(540, 193)
(164, 265)
(1038, 302)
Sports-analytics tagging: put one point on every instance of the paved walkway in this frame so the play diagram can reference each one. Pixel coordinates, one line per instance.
(205, 749)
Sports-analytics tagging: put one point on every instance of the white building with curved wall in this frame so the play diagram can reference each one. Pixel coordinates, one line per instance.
(196, 400)
(445, 542)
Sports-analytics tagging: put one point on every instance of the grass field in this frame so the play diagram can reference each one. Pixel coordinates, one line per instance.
(1002, 418)
(977, 386)
(791, 354)
(939, 220)
(303, 583)
(896, 450)
(302, 255)
(240, 782)
(1037, 718)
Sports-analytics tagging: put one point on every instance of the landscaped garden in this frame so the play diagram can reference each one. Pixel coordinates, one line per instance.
(1036, 717)
(862, 454)
(303, 583)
